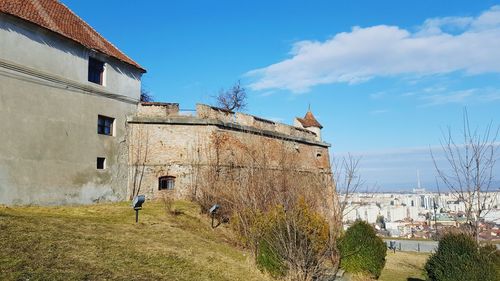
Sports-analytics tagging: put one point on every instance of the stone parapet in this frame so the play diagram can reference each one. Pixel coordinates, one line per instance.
(168, 113)
(157, 109)
(295, 134)
(247, 120)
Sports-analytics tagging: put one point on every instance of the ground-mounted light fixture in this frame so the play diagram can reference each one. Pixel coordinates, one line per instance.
(212, 212)
(137, 205)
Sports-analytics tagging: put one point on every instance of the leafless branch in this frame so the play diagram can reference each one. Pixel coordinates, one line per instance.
(146, 96)
(347, 181)
(233, 99)
(469, 169)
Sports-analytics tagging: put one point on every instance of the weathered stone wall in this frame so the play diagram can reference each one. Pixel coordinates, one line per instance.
(157, 110)
(181, 146)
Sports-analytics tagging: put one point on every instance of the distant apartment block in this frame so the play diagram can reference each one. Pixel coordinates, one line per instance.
(406, 212)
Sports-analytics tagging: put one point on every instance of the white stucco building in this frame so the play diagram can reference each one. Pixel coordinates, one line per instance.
(65, 92)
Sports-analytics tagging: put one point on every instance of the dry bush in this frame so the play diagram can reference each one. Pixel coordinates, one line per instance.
(167, 197)
(293, 243)
(250, 179)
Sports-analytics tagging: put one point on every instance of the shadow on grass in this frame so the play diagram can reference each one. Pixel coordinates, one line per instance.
(414, 279)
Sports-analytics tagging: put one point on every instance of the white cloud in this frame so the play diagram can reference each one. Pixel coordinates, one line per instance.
(440, 45)
(443, 98)
(441, 95)
(436, 26)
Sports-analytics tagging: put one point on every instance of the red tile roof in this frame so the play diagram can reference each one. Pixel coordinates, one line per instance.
(309, 121)
(56, 17)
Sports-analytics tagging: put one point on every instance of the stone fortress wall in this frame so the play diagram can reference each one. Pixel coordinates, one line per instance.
(165, 142)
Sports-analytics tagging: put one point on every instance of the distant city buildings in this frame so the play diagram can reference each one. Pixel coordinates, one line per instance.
(416, 214)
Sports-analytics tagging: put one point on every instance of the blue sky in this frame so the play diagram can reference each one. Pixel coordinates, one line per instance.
(383, 77)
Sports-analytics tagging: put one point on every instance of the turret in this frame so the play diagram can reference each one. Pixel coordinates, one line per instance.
(309, 123)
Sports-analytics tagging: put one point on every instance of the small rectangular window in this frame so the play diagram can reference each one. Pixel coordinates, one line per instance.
(96, 71)
(167, 183)
(105, 125)
(101, 163)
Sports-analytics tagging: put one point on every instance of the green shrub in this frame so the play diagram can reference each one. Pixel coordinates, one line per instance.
(267, 259)
(459, 257)
(292, 242)
(493, 254)
(362, 251)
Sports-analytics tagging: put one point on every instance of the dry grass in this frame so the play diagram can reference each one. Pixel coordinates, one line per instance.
(404, 266)
(102, 242)
(399, 266)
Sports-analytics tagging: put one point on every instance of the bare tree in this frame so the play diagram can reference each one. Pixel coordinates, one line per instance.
(347, 181)
(146, 96)
(232, 99)
(138, 151)
(469, 169)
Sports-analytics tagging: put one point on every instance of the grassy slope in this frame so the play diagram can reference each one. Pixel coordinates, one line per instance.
(103, 242)
(404, 266)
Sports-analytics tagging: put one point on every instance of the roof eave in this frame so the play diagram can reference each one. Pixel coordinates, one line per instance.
(134, 64)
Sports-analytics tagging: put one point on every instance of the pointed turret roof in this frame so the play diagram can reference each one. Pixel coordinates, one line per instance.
(309, 120)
